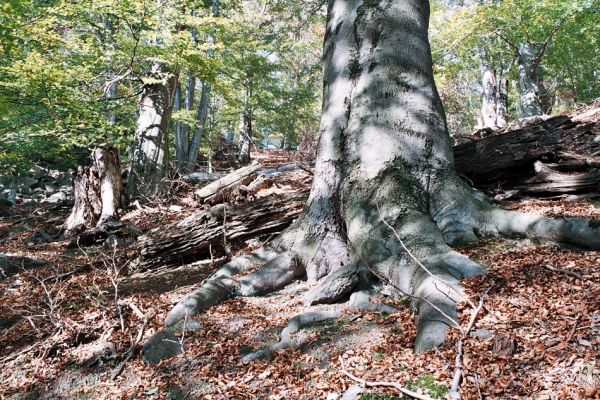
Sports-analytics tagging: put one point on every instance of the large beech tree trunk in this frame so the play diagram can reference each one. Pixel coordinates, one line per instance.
(384, 157)
(98, 189)
(150, 150)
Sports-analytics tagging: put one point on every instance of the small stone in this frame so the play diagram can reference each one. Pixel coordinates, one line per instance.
(56, 198)
(482, 333)
(162, 345)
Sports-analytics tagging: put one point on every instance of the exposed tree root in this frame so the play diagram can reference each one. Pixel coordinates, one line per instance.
(287, 338)
(219, 286)
(333, 286)
(401, 245)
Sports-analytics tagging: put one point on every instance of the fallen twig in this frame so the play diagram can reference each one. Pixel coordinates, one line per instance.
(574, 329)
(563, 271)
(58, 277)
(395, 385)
(131, 352)
(458, 362)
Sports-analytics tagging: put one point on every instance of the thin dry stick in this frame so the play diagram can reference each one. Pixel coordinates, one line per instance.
(458, 362)
(119, 369)
(395, 385)
(563, 271)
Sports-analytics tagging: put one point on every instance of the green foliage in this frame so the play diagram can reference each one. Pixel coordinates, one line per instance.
(372, 396)
(60, 56)
(434, 389)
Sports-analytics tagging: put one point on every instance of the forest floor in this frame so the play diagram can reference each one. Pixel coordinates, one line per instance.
(67, 321)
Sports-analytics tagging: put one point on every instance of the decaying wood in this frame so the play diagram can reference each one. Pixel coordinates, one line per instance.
(200, 178)
(555, 156)
(510, 154)
(98, 189)
(219, 189)
(549, 180)
(213, 232)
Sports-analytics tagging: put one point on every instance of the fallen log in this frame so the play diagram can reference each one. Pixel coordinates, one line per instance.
(214, 232)
(221, 188)
(548, 180)
(512, 154)
(200, 178)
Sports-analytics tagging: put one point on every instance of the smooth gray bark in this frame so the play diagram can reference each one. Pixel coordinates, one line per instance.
(245, 138)
(502, 104)
(200, 127)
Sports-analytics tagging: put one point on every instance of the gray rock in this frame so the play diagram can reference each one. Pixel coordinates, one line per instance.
(56, 198)
(28, 182)
(482, 333)
(50, 188)
(37, 172)
(162, 345)
(354, 392)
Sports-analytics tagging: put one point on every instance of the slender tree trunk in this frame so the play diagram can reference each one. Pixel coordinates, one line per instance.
(150, 152)
(201, 125)
(528, 81)
(12, 194)
(246, 126)
(385, 192)
(202, 115)
(502, 104)
(245, 138)
(179, 142)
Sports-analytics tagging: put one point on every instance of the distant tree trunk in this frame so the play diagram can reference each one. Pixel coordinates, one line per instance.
(12, 194)
(543, 92)
(502, 104)
(528, 81)
(201, 118)
(489, 102)
(178, 139)
(150, 152)
(98, 189)
(202, 114)
(245, 138)
(246, 125)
